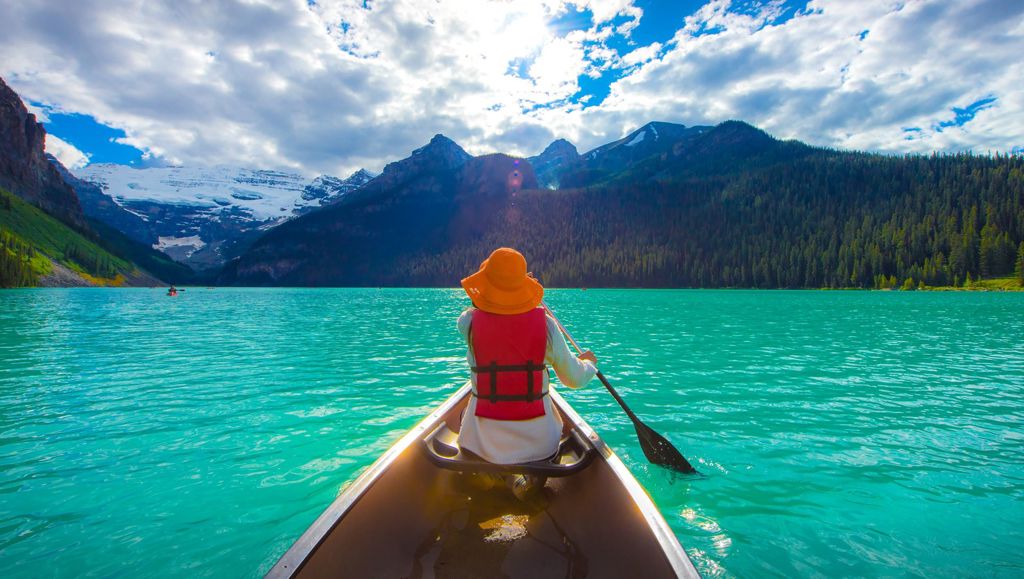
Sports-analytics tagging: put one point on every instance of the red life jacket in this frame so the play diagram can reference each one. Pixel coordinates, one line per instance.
(510, 369)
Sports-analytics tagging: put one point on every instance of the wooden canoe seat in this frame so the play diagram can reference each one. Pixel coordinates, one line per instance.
(441, 446)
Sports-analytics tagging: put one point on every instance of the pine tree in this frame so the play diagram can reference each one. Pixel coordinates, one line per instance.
(986, 251)
(1020, 264)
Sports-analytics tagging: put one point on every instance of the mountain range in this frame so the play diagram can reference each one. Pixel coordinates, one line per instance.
(441, 202)
(203, 217)
(665, 206)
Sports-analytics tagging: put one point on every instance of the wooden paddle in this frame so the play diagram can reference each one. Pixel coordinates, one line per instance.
(656, 447)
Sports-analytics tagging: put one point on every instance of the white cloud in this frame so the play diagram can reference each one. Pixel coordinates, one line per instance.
(815, 78)
(336, 86)
(642, 54)
(66, 153)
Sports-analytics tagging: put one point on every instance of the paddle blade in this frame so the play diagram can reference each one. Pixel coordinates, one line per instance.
(660, 451)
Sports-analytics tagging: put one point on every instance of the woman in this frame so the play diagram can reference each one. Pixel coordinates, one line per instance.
(510, 418)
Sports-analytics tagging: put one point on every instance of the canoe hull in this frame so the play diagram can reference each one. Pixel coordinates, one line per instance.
(404, 517)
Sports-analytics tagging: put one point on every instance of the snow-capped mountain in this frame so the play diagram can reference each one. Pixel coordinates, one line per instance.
(260, 193)
(205, 216)
(653, 140)
(327, 190)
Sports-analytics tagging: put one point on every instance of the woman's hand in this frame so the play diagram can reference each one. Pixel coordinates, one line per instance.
(588, 355)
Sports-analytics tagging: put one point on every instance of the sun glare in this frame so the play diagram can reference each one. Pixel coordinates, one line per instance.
(518, 34)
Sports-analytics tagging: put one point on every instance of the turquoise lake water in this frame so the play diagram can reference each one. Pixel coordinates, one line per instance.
(838, 433)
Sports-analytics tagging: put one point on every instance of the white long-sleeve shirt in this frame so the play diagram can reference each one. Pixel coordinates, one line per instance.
(515, 441)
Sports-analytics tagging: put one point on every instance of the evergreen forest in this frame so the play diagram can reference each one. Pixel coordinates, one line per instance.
(825, 221)
(15, 261)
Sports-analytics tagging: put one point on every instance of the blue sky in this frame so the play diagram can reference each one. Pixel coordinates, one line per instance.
(659, 23)
(329, 86)
(87, 134)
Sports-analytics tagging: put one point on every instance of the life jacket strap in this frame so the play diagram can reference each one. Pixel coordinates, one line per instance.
(511, 397)
(493, 368)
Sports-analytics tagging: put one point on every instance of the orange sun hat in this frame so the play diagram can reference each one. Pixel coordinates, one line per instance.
(502, 286)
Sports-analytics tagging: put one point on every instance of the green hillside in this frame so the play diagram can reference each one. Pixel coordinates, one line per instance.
(30, 239)
(153, 261)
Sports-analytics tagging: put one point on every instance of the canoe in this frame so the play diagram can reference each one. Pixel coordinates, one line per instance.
(410, 515)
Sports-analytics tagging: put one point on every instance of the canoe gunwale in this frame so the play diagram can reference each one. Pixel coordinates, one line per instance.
(673, 550)
(291, 563)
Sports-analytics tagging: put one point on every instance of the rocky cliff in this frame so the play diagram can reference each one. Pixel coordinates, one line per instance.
(24, 167)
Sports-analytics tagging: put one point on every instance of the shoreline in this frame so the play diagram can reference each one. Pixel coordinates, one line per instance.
(973, 288)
